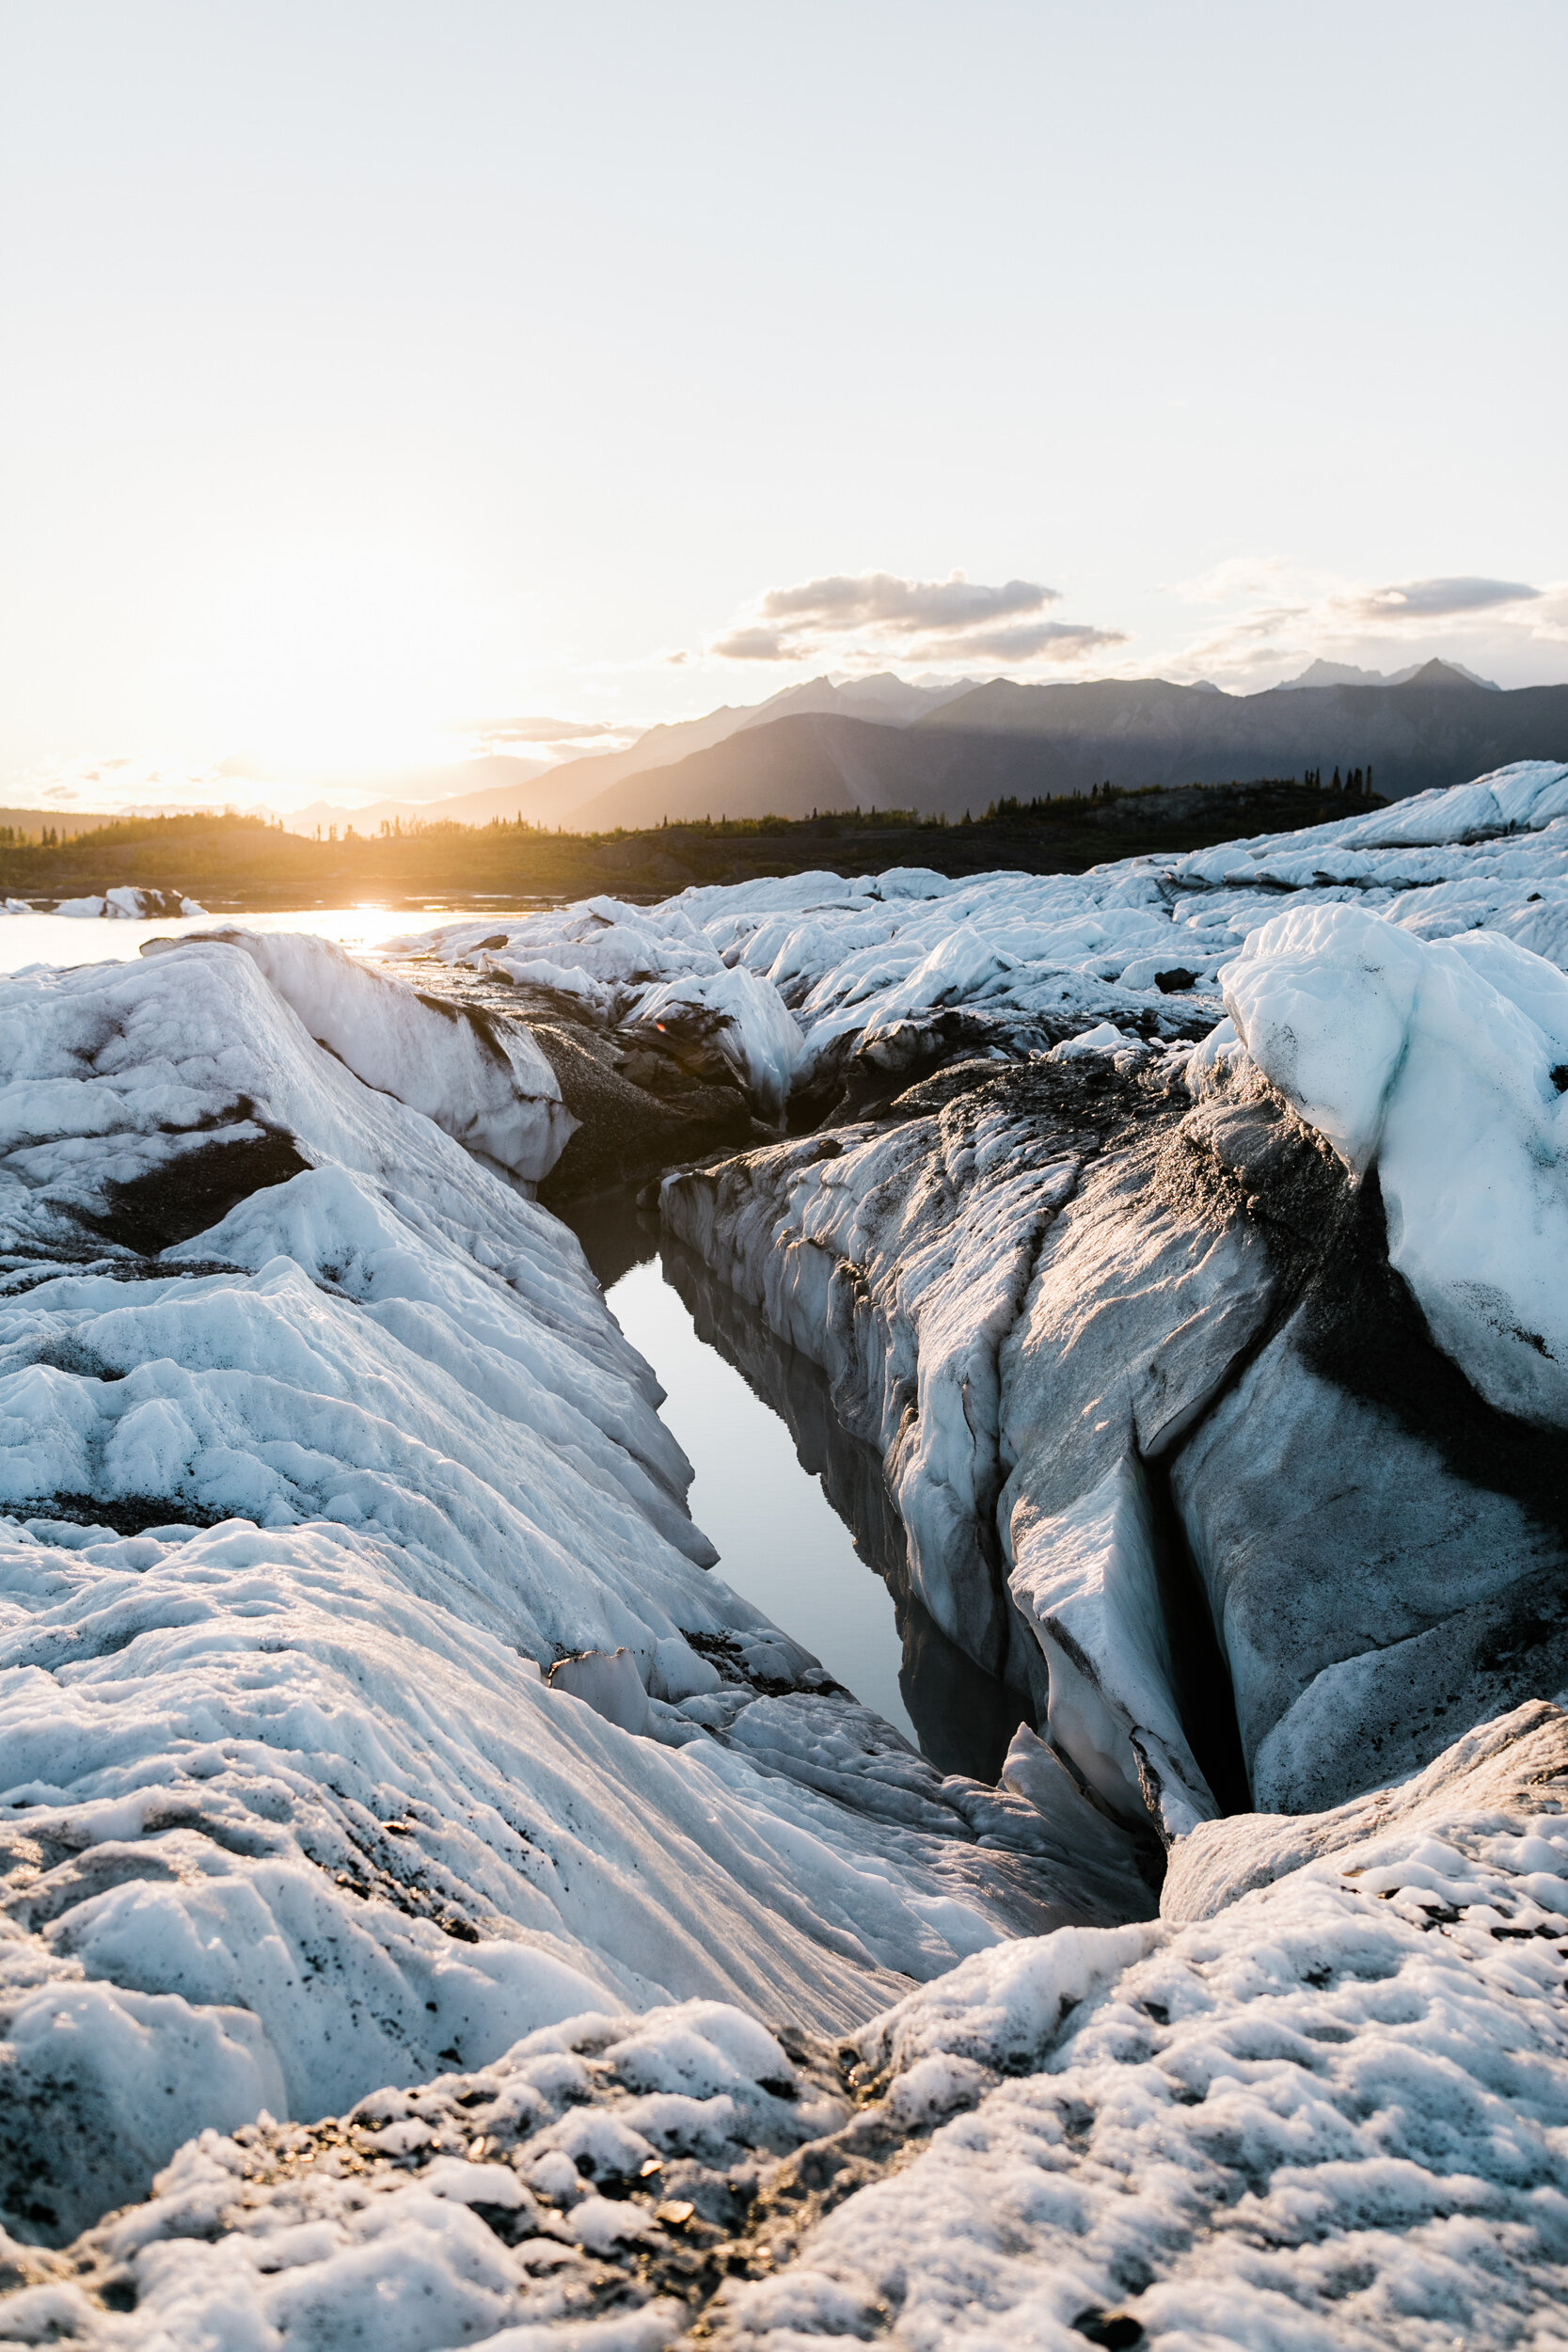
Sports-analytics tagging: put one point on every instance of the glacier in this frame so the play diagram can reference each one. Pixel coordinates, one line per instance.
(435, 1905)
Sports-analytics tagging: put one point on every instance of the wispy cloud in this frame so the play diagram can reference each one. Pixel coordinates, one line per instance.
(540, 730)
(1254, 576)
(543, 741)
(1050, 641)
(850, 620)
(1437, 600)
(1284, 616)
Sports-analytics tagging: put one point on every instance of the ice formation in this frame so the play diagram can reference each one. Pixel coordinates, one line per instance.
(1138, 944)
(1323, 2103)
(1186, 1237)
(1444, 1062)
(317, 1444)
(123, 903)
(487, 1085)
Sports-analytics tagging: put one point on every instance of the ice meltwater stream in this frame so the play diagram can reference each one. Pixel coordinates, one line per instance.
(798, 1508)
(780, 1541)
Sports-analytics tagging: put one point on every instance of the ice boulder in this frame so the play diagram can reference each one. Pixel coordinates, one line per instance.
(484, 1081)
(1444, 1062)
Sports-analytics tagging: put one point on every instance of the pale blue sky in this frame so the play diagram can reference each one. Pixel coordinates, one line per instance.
(374, 368)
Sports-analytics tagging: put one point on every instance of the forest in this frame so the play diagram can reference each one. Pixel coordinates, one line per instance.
(230, 861)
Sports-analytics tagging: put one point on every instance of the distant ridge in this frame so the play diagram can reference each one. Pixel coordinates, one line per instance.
(1321, 673)
(1004, 740)
(870, 744)
(507, 787)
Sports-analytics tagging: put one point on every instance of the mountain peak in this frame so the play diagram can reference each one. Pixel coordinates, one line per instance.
(1433, 673)
(1321, 673)
(1449, 674)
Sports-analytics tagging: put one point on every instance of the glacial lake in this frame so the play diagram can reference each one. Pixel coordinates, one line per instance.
(67, 939)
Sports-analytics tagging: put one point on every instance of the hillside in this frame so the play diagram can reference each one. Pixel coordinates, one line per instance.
(32, 822)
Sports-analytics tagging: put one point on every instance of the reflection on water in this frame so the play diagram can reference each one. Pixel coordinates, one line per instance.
(798, 1508)
(68, 939)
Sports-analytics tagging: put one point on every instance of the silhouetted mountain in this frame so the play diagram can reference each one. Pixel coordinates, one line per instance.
(886, 700)
(1321, 673)
(1025, 742)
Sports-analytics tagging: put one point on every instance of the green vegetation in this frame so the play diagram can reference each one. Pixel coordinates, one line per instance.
(233, 862)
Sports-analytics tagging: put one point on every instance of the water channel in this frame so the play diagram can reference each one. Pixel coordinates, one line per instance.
(797, 1507)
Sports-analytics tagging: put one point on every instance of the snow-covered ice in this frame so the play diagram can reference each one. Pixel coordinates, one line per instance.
(1137, 944)
(1187, 1236)
(317, 1444)
(486, 1083)
(1323, 2103)
(1445, 1061)
(125, 902)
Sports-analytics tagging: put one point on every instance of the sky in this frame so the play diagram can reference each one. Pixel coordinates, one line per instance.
(384, 381)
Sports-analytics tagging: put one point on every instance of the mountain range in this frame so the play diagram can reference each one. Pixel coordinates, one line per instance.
(952, 750)
(1321, 673)
(1001, 740)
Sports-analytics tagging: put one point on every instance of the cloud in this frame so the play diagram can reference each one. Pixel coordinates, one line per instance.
(851, 619)
(538, 744)
(1281, 616)
(754, 645)
(540, 730)
(903, 607)
(1049, 641)
(1437, 600)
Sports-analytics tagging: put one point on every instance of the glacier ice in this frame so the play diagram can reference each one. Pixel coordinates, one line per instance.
(303, 1488)
(487, 1083)
(1185, 1238)
(1445, 1061)
(1321, 2102)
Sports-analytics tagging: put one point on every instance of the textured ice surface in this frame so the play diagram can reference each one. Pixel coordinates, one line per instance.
(1444, 1062)
(486, 1083)
(316, 1446)
(1323, 2103)
(1135, 945)
(319, 1452)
